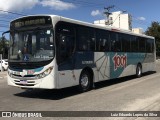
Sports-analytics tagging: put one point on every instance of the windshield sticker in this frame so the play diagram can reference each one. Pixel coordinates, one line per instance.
(26, 58)
(41, 56)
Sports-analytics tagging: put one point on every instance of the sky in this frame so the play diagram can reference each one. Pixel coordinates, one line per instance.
(143, 11)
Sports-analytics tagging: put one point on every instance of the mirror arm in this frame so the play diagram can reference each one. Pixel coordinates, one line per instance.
(5, 32)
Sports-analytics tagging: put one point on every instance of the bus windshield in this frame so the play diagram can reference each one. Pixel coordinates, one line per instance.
(32, 45)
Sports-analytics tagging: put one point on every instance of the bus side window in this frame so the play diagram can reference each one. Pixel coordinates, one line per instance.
(142, 44)
(102, 40)
(65, 39)
(125, 42)
(149, 45)
(92, 40)
(86, 39)
(134, 44)
(115, 42)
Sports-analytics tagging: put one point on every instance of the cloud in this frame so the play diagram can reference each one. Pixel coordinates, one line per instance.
(95, 13)
(17, 5)
(20, 5)
(141, 18)
(57, 4)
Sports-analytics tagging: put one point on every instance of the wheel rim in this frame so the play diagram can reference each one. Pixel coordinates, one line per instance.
(139, 71)
(84, 81)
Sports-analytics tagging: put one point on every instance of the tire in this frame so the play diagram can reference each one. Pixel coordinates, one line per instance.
(85, 82)
(139, 71)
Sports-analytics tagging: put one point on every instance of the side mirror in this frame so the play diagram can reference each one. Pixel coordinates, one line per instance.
(5, 33)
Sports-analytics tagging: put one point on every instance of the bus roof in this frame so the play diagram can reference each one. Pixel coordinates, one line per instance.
(61, 18)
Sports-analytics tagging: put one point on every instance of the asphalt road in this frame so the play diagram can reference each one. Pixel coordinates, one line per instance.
(124, 94)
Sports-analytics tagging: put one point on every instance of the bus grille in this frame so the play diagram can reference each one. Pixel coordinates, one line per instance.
(24, 84)
(29, 80)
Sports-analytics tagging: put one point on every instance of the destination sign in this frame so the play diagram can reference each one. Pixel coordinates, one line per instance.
(29, 21)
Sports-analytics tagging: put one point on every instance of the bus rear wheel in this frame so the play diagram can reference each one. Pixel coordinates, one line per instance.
(85, 81)
(139, 71)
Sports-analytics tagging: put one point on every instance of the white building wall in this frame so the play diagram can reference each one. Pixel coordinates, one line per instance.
(100, 22)
(120, 20)
(137, 30)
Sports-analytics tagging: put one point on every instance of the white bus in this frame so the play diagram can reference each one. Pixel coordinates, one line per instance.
(53, 52)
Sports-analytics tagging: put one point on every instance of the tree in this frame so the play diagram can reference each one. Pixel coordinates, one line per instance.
(4, 47)
(154, 30)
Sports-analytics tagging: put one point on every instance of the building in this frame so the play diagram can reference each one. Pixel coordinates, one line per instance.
(120, 20)
(137, 30)
(117, 19)
(100, 22)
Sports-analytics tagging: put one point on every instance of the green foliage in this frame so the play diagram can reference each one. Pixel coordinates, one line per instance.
(4, 47)
(154, 30)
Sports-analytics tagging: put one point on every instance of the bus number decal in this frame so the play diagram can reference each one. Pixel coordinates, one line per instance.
(119, 61)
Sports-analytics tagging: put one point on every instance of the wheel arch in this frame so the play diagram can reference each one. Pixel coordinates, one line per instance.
(90, 70)
(139, 64)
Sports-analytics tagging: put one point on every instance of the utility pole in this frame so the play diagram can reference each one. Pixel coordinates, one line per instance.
(107, 11)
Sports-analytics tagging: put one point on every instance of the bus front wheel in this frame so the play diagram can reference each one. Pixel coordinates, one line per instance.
(85, 81)
(139, 70)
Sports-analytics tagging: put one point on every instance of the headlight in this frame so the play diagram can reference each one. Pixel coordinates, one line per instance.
(45, 73)
(10, 73)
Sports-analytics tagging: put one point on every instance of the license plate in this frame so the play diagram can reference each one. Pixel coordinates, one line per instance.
(23, 82)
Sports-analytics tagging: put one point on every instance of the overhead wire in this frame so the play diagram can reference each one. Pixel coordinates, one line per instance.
(7, 17)
(15, 13)
(4, 21)
(80, 1)
(85, 3)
